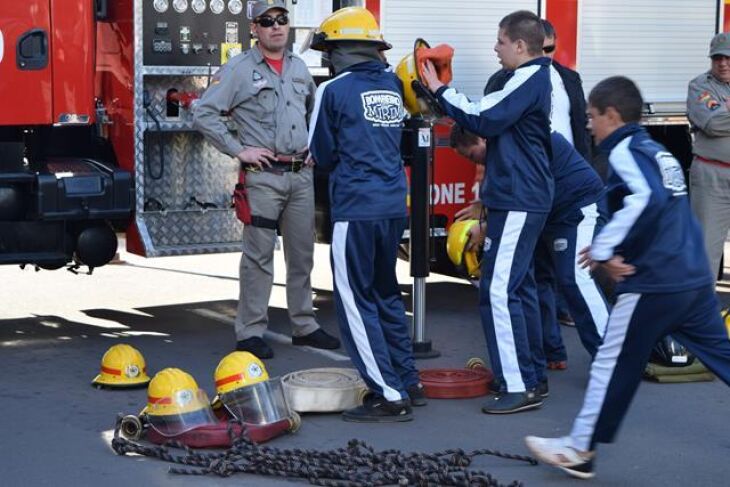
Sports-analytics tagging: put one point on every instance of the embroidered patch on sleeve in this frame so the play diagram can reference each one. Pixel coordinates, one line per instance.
(706, 99)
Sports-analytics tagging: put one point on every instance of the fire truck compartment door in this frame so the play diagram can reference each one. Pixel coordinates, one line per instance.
(660, 45)
(25, 73)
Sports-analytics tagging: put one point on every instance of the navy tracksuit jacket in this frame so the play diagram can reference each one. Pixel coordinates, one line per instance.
(355, 133)
(652, 227)
(519, 196)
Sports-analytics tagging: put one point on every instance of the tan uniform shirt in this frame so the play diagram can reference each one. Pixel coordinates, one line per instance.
(710, 117)
(269, 110)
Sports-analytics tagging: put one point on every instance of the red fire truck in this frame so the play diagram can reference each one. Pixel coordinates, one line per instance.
(95, 131)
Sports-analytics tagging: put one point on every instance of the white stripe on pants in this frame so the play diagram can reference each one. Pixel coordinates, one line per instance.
(354, 319)
(602, 370)
(586, 284)
(499, 297)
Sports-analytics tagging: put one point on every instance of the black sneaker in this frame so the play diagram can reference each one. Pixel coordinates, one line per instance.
(512, 402)
(542, 389)
(557, 452)
(376, 409)
(417, 394)
(255, 345)
(317, 339)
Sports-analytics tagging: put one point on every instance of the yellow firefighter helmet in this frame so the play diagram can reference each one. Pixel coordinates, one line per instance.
(175, 403)
(246, 391)
(409, 70)
(172, 391)
(122, 366)
(239, 369)
(464, 260)
(348, 24)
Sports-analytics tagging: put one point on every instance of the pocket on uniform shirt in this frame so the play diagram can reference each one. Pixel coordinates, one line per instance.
(266, 98)
(300, 89)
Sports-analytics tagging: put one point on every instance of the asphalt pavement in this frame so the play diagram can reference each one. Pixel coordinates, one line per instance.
(55, 428)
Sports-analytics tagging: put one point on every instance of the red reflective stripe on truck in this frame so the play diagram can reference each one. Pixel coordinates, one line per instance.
(374, 7)
(563, 14)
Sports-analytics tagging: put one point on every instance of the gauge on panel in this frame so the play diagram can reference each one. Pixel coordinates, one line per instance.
(198, 6)
(180, 6)
(217, 6)
(161, 6)
(235, 6)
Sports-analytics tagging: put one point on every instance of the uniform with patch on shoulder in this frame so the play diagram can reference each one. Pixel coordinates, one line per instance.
(653, 248)
(268, 94)
(708, 109)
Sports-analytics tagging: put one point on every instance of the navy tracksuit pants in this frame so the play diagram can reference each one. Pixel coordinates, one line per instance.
(556, 264)
(369, 306)
(508, 298)
(636, 323)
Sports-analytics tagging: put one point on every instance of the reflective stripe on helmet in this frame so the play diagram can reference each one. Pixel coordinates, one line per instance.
(159, 400)
(107, 370)
(229, 379)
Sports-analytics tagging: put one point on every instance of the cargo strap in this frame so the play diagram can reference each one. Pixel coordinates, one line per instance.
(261, 222)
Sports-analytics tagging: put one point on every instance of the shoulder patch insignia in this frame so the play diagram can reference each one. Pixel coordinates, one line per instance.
(672, 175)
(707, 99)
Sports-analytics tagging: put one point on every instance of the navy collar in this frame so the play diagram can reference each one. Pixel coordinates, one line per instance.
(618, 135)
(540, 61)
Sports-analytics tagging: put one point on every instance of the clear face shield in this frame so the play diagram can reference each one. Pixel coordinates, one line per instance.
(185, 411)
(261, 403)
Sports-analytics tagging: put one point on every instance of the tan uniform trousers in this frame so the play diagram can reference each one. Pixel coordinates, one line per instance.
(288, 197)
(710, 198)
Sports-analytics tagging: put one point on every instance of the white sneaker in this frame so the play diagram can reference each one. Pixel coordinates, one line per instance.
(556, 452)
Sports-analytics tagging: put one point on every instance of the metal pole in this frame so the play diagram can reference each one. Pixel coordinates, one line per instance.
(417, 135)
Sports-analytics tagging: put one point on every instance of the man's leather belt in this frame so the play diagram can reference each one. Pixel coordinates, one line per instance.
(292, 158)
(284, 163)
(713, 162)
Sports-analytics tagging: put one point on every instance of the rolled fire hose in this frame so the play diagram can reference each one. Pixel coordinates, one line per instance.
(324, 390)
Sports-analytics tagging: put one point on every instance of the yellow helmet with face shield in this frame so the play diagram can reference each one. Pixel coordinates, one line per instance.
(247, 392)
(175, 403)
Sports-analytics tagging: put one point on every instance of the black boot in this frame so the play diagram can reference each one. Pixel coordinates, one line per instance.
(255, 345)
(317, 339)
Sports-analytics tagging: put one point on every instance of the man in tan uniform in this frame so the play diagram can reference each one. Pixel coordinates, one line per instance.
(269, 95)
(708, 106)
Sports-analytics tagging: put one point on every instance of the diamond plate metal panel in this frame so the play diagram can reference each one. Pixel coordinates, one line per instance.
(191, 232)
(192, 167)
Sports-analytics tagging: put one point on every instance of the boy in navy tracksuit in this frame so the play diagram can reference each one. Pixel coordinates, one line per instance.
(570, 227)
(518, 196)
(356, 134)
(652, 247)
(576, 216)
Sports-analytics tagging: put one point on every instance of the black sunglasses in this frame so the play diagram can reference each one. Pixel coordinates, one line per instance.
(269, 21)
(548, 49)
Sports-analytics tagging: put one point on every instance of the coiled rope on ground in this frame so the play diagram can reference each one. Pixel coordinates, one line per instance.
(356, 465)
